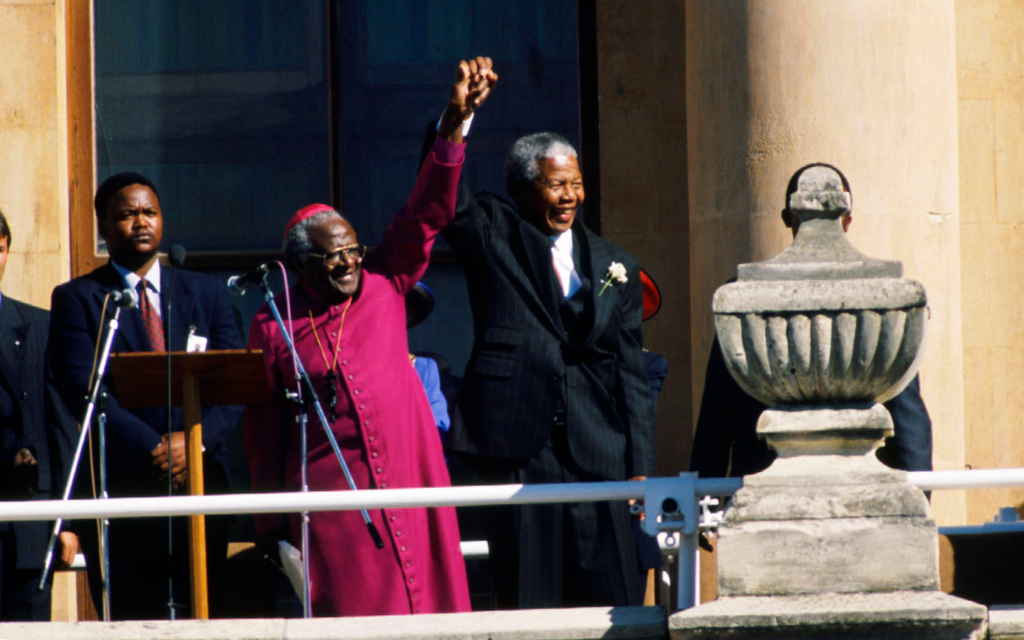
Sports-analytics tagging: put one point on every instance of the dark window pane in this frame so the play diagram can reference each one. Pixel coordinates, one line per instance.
(398, 59)
(224, 105)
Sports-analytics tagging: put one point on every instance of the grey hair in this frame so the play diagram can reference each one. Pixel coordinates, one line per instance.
(297, 244)
(524, 156)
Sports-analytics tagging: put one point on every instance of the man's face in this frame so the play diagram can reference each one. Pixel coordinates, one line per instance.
(550, 202)
(340, 276)
(4, 243)
(133, 225)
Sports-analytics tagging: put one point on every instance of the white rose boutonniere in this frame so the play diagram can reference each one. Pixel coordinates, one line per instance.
(616, 275)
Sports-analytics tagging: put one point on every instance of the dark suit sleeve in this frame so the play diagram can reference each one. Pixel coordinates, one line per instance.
(62, 431)
(910, 447)
(467, 231)
(71, 347)
(635, 390)
(219, 421)
(715, 431)
(727, 426)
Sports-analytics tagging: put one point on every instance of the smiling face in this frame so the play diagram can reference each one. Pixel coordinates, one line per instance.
(341, 277)
(133, 227)
(551, 200)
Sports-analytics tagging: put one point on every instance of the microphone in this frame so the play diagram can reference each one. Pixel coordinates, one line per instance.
(177, 255)
(127, 298)
(238, 284)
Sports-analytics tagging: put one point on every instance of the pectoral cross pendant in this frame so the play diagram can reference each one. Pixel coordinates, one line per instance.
(331, 380)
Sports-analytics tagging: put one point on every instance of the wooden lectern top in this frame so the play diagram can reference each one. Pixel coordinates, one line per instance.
(236, 376)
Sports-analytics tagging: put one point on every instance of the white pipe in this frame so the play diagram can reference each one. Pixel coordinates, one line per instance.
(427, 497)
(320, 501)
(968, 479)
(475, 549)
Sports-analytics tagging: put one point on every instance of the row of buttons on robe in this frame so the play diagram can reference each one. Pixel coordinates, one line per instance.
(394, 524)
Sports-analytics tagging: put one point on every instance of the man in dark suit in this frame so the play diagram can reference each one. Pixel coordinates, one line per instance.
(37, 435)
(555, 388)
(141, 450)
(726, 441)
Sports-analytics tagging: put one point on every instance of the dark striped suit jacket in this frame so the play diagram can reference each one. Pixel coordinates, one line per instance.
(40, 419)
(525, 364)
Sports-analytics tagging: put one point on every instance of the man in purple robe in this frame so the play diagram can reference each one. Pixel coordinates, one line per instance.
(349, 330)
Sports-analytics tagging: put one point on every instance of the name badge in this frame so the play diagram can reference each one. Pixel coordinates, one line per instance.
(196, 343)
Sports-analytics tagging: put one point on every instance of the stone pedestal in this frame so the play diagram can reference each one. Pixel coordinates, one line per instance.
(827, 516)
(904, 615)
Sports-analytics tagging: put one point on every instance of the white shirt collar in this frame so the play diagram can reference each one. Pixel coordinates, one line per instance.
(563, 242)
(132, 279)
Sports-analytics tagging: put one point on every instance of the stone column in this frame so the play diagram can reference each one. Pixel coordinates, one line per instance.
(870, 87)
(828, 541)
(33, 136)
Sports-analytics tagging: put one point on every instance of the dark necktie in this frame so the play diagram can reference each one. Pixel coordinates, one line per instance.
(154, 326)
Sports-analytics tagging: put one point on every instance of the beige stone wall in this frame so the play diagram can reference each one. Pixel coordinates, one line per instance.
(868, 86)
(643, 183)
(990, 83)
(33, 139)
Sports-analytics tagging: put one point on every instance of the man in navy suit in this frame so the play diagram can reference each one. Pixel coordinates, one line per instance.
(726, 440)
(141, 450)
(37, 436)
(555, 389)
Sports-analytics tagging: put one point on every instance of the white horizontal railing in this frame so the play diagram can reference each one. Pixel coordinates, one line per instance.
(968, 479)
(428, 497)
(462, 497)
(341, 500)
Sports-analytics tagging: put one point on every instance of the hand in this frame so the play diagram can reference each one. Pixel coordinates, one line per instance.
(473, 83)
(633, 501)
(24, 481)
(170, 456)
(24, 457)
(68, 549)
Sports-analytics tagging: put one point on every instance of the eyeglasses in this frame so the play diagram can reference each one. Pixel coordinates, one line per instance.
(353, 252)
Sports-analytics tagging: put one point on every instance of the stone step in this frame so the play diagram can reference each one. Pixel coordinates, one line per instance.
(624, 623)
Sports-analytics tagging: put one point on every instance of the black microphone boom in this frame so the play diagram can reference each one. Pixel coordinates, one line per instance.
(177, 255)
(238, 284)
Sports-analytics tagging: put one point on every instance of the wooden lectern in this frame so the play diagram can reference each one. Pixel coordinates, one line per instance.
(210, 378)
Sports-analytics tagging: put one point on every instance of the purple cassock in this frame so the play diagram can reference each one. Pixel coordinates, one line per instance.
(383, 425)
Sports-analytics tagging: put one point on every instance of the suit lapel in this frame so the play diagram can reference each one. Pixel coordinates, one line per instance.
(180, 297)
(13, 334)
(600, 259)
(532, 250)
(131, 333)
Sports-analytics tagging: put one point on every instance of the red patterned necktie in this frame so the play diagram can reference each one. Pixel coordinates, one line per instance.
(154, 326)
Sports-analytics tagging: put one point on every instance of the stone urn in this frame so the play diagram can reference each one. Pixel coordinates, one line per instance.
(828, 541)
(820, 325)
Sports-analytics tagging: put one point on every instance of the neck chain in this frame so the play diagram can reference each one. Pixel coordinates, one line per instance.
(331, 379)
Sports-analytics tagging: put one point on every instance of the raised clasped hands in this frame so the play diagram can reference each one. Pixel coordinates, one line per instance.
(473, 83)
(170, 455)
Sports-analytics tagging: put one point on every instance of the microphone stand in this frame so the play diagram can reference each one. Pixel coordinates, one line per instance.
(101, 423)
(177, 255)
(93, 395)
(306, 397)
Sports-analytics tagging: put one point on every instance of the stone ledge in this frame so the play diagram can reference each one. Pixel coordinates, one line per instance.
(1006, 622)
(622, 623)
(903, 614)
